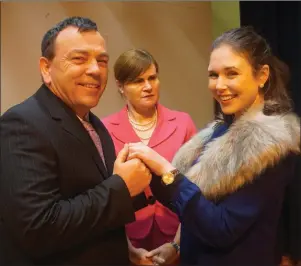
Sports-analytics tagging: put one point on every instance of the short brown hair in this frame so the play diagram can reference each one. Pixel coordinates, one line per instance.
(133, 63)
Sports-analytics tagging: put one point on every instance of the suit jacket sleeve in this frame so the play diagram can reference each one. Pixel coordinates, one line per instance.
(40, 219)
(221, 224)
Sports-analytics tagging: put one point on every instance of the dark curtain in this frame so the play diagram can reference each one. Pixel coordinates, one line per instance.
(280, 24)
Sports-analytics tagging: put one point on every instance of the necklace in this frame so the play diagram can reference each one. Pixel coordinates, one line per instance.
(138, 124)
(144, 135)
(143, 131)
(143, 127)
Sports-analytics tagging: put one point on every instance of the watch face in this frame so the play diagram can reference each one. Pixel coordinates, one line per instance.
(168, 178)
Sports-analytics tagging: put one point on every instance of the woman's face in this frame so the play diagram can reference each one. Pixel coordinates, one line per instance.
(143, 92)
(232, 81)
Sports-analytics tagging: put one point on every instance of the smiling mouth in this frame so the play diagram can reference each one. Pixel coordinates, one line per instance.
(90, 85)
(227, 98)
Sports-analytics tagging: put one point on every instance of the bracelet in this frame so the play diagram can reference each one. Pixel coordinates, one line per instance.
(175, 245)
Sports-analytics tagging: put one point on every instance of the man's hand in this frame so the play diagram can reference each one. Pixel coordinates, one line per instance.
(133, 172)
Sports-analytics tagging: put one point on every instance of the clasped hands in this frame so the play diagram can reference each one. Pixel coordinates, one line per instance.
(135, 163)
(163, 255)
(152, 160)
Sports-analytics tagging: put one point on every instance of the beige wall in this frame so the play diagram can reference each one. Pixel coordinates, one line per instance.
(178, 34)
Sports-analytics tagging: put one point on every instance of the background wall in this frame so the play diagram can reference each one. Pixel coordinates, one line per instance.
(178, 34)
(225, 16)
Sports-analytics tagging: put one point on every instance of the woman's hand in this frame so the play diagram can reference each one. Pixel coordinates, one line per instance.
(138, 256)
(165, 254)
(154, 161)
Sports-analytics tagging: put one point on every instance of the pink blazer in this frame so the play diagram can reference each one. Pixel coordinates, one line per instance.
(172, 131)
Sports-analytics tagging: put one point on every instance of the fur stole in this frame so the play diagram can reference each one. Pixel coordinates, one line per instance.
(253, 143)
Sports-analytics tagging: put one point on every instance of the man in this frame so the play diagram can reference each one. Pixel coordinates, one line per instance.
(63, 199)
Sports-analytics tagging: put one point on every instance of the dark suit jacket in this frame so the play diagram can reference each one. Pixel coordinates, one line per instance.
(58, 203)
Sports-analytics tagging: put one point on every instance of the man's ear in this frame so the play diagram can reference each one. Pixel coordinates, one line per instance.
(44, 65)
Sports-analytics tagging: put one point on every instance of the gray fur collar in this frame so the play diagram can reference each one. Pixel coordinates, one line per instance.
(254, 142)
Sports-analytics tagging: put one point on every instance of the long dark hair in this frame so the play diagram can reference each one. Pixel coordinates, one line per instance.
(246, 41)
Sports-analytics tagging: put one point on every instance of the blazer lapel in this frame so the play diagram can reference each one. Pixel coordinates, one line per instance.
(68, 120)
(166, 126)
(124, 132)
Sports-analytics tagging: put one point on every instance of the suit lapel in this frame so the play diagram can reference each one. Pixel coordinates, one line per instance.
(69, 122)
(106, 141)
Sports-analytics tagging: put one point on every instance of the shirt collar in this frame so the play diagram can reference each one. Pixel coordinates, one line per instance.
(86, 118)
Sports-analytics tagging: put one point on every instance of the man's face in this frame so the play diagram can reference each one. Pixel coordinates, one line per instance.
(79, 70)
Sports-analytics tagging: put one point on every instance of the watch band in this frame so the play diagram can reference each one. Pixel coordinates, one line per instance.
(175, 245)
(169, 177)
(175, 172)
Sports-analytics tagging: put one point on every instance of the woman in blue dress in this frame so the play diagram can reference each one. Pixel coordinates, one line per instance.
(227, 183)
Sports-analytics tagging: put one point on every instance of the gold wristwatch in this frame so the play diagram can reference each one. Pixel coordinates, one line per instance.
(169, 177)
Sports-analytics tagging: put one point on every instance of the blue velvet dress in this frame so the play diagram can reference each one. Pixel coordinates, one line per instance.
(189, 244)
(240, 229)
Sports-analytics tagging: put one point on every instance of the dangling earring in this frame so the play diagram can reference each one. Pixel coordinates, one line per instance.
(261, 86)
(121, 91)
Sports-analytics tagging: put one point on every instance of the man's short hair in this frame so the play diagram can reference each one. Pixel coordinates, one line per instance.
(48, 42)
